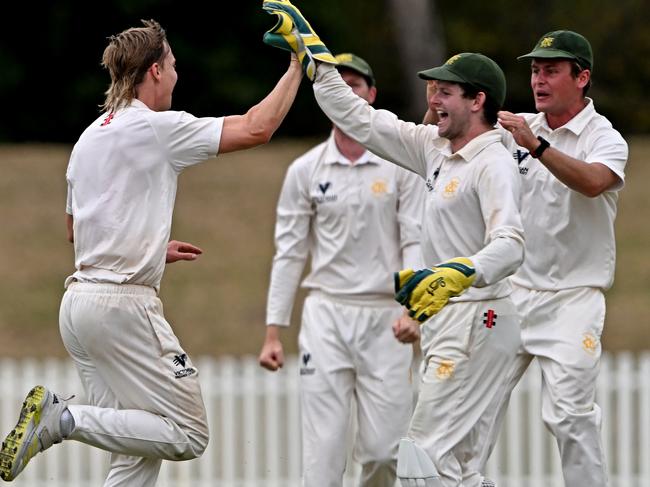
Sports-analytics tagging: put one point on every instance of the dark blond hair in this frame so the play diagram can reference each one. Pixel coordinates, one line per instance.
(127, 58)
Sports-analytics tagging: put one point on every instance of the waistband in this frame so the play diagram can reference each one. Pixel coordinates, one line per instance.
(356, 299)
(105, 288)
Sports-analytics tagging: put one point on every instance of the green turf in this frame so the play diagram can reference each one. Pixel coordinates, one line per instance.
(227, 207)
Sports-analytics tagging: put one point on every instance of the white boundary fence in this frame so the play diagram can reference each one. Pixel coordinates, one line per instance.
(255, 430)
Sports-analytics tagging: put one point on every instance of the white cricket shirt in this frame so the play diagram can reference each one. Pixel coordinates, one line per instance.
(471, 207)
(359, 222)
(570, 238)
(122, 179)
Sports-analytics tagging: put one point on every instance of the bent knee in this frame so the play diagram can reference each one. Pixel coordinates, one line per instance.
(198, 444)
(193, 448)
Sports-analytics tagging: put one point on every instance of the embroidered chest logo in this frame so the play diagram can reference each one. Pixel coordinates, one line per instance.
(379, 187)
(305, 369)
(451, 188)
(445, 370)
(181, 360)
(489, 318)
(520, 156)
(321, 194)
(589, 343)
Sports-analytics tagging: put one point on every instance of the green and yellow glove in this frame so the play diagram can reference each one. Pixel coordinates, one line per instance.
(427, 291)
(293, 33)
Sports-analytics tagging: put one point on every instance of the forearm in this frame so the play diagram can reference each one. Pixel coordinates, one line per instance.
(285, 277)
(69, 224)
(588, 179)
(266, 116)
(498, 260)
(259, 124)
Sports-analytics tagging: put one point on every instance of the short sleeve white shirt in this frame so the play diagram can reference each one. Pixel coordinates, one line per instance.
(570, 238)
(122, 179)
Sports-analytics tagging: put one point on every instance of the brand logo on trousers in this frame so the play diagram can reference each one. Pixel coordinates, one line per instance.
(305, 370)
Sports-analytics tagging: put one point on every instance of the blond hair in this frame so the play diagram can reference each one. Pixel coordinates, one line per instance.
(127, 58)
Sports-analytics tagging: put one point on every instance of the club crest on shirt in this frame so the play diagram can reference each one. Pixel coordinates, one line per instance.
(322, 195)
(445, 370)
(451, 188)
(589, 343)
(379, 187)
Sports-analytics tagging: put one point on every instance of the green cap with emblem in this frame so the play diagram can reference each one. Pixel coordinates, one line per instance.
(474, 69)
(347, 60)
(563, 44)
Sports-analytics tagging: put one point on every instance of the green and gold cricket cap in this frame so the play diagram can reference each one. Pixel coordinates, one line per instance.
(474, 69)
(564, 44)
(347, 60)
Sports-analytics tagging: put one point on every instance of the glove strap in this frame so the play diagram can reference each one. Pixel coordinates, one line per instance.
(462, 268)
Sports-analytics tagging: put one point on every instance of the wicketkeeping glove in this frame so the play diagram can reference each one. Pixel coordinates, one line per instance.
(293, 33)
(427, 291)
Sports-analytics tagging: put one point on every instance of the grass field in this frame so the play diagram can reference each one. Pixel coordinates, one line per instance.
(227, 207)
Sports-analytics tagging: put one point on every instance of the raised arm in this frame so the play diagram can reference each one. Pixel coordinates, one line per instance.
(260, 122)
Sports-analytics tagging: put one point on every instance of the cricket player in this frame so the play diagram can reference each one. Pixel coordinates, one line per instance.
(358, 217)
(571, 166)
(145, 404)
(472, 236)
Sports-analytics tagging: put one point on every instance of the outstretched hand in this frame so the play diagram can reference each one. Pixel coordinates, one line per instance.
(177, 250)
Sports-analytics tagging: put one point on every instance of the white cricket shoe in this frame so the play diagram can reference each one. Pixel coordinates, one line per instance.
(38, 428)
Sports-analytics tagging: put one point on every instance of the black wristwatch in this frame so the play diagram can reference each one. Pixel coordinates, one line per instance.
(543, 145)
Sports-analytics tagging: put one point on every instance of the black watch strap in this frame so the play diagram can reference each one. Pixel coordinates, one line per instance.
(543, 145)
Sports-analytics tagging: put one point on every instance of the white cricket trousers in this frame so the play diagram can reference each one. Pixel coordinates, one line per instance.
(562, 329)
(348, 350)
(468, 348)
(143, 390)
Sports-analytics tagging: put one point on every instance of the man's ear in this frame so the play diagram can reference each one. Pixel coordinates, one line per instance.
(372, 95)
(479, 101)
(154, 69)
(583, 78)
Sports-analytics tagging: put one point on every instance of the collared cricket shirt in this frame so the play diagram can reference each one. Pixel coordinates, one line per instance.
(122, 179)
(472, 199)
(570, 238)
(358, 222)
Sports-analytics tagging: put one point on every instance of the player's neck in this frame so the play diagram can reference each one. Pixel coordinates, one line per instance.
(556, 120)
(348, 147)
